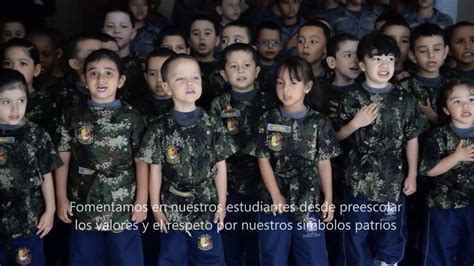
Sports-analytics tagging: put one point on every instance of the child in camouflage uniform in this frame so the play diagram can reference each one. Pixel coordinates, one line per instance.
(380, 144)
(21, 55)
(448, 159)
(294, 146)
(187, 150)
(98, 142)
(240, 109)
(27, 158)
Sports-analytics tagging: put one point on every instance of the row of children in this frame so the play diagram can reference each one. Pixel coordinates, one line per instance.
(99, 140)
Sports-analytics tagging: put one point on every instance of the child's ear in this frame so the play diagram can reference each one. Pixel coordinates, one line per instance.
(37, 70)
(362, 66)
(223, 75)
(218, 40)
(122, 80)
(145, 76)
(446, 111)
(219, 10)
(166, 88)
(331, 61)
(411, 55)
(74, 64)
(59, 53)
(446, 51)
(257, 71)
(308, 85)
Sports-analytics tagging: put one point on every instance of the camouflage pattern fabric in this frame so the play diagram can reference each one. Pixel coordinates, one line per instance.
(188, 156)
(455, 188)
(241, 120)
(26, 154)
(376, 160)
(66, 95)
(42, 111)
(294, 147)
(151, 108)
(212, 83)
(266, 80)
(103, 143)
(135, 85)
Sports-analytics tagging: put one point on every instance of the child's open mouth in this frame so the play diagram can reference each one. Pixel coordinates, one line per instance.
(466, 114)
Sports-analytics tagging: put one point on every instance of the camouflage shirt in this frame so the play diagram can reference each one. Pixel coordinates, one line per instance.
(103, 143)
(26, 154)
(212, 83)
(241, 119)
(376, 160)
(266, 79)
(151, 107)
(42, 111)
(455, 188)
(135, 85)
(294, 147)
(188, 156)
(66, 95)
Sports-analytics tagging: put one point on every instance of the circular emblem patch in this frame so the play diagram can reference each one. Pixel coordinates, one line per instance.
(275, 142)
(205, 242)
(3, 156)
(232, 125)
(172, 155)
(23, 256)
(86, 135)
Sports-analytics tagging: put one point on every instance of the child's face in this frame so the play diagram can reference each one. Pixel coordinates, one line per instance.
(240, 70)
(49, 55)
(230, 9)
(12, 106)
(460, 106)
(13, 30)
(429, 54)
(401, 35)
(291, 92)
(425, 3)
(462, 45)
(184, 83)
(345, 61)
(378, 70)
(153, 76)
(175, 43)
(268, 44)
(289, 8)
(19, 59)
(111, 45)
(234, 34)
(119, 26)
(203, 37)
(311, 44)
(139, 9)
(102, 80)
(83, 49)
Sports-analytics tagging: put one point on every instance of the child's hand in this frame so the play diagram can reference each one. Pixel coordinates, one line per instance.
(402, 75)
(409, 186)
(278, 205)
(429, 112)
(162, 219)
(365, 116)
(219, 218)
(139, 212)
(328, 211)
(333, 106)
(464, 153)
(45, 223)
(64, 210)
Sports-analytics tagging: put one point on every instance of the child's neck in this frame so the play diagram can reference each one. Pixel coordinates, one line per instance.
(317, 69)
(289, 21)
(249, 89)
(265, 62)
(429, 75)
(165, 97)
(376, 85)
(124, 51)
(294, 108)
(184, 107)
(465, 67)
(102, 101)
(342, 80)
(139, 24)
(399, 66)
(354, 7)
(204, 58)
(426, 13)
(331, 4)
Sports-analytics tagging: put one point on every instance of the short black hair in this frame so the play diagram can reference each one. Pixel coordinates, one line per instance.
(386, 17)
(240, 24)
(105, 54)
(170, 30)
(395, 20)
(333, 44)
(319, 24)
(71, 51)
(104, 37)
(238, 47)
(449, 31)
(22, 43)
(120, 10)
(376, 43)
(54, 35)
(10, 77)
(206, 18)
(159, 52)
(271, 25)
(425, 30)
(169, 61)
